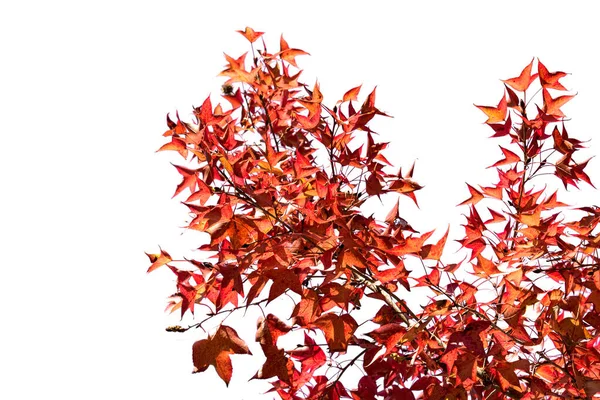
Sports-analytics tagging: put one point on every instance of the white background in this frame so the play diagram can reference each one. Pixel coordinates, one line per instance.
(84, 90)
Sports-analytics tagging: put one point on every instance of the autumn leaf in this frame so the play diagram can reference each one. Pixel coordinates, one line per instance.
(308, 309)
(411, 245)
(502, 128)
(563, 143)
(485, 267)
(522, 82)
(509, 158)
(550, 80)
(216, 351)
(276, 364)
(388, 335)
(236, 71)
(311, 356)
(475, 198)
(288, 54)
(438, 307)
(549, 372)
(158, 260)
(367, 389)
(303, 167)
(283, 279)
(552, 106)
(338, 330)
(309, 122)
(495, 114)
(190, 179)
(176, 144)
(352, 94)
(431, 279)
(250, 34)
(434, 252)
(269, 329)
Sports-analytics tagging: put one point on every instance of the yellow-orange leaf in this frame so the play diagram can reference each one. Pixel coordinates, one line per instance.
(495, 114)
(485, 267)
(158, 260)
(352, 94)
(476, 196)
(250, 34)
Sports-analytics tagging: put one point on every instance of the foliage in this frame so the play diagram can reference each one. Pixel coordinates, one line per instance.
(277, 179)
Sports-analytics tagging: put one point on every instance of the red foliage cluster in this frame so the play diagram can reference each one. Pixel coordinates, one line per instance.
(277, 179)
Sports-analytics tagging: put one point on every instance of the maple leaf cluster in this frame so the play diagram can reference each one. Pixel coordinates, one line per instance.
(276, 180)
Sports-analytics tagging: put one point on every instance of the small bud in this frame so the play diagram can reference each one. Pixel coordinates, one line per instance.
(227, 89)
(175, 328)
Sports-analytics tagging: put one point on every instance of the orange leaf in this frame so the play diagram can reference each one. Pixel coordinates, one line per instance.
(495, 114)
(493, 191)
(509, 158)
(338, 330)
(550, 80)
(270, 329)
(438, 307)
(393, 214)
(310, 122)
(288, 54)
(531, 218)
(485, 267)
(389, 335)
(303, 167)
(412, 245)
(237, 71)
(434, 252)
(549, 372)
(190, 179)
(476, 196)
(202, 194)
(176, 144)
(308, 309)
(433, 278)
(496, 217)
(216, 350)
(562, 142)
(552, 106)
(351, 257)
(250, 34)
(158, 260)
(352, 94)
(522, 82)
